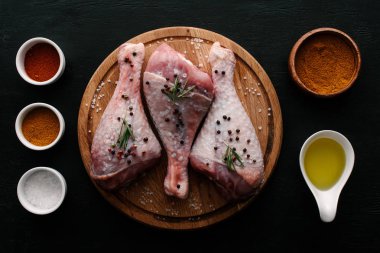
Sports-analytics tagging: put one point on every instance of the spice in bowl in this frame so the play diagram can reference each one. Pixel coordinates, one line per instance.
(40, 126)
(325, 62)
(41, 62)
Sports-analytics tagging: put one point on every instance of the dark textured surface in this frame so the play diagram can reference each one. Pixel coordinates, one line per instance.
(284, 217)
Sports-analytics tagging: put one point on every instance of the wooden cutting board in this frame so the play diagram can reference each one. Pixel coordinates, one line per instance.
(144, 200)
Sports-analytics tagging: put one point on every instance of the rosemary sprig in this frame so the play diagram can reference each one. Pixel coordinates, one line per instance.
(124, 135)
(231, 158)
(177, 91)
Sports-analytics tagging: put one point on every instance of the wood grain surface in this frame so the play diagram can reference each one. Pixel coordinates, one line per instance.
(144, 199)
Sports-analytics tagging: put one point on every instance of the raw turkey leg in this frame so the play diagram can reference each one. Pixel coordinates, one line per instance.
(228, 135)
(124, 145)
(178, 97)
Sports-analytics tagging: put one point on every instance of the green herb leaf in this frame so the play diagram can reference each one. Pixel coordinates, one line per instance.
(124, 135)
(231, 158)
(177, 91)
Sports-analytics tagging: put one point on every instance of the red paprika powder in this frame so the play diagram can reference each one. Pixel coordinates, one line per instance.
(41, 62)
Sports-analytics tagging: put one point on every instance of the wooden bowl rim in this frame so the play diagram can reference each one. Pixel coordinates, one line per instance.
(350, 42)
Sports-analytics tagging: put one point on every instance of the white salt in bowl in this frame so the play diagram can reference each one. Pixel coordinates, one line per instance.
(41, 190)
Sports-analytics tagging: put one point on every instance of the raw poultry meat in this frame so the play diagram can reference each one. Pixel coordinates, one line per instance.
(227, 149)
(178, 96)
(124, 145)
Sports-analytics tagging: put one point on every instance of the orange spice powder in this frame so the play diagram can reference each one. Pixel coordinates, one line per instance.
(325, 63)
(40, 126)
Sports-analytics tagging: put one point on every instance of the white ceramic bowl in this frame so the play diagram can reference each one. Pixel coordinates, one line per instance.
(20, 58)
(21, 116)
(327, 200)
(33, 190)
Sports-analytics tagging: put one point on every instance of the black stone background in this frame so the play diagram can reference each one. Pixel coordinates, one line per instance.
(284, 217)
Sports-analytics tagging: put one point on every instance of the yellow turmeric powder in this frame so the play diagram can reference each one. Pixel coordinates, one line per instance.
(325, 63)
(40, 126)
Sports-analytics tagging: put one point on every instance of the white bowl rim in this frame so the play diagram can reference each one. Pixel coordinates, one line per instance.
(20, 56)
(28, 206)
(24, 112)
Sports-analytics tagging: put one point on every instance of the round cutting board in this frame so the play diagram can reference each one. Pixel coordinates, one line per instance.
(144, 199)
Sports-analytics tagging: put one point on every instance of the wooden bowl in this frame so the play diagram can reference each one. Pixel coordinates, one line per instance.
(316, 32)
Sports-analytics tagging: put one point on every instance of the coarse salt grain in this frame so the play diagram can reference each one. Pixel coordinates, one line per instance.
(42, 189)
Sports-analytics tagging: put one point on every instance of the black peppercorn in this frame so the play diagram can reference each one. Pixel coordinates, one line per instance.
(229, 118)
(145, 139)
(237, 130)
(218, 122)
(182, 142)
(131, 113)
(218, 132)
(134, 54)
(248, 141)
(231, 139)
(129, 161)
(223, 72)
(215, 148)
(131, 79)
(216, 71)
(248, 156)
(224, 117)
(147, 83)
(229, 132)
(131, 108)
(244, 150)
(237, 138)
(167, 119)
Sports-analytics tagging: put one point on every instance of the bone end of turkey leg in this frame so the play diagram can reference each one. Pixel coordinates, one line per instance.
(227, 123)
(177, 121)
(114, 163)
